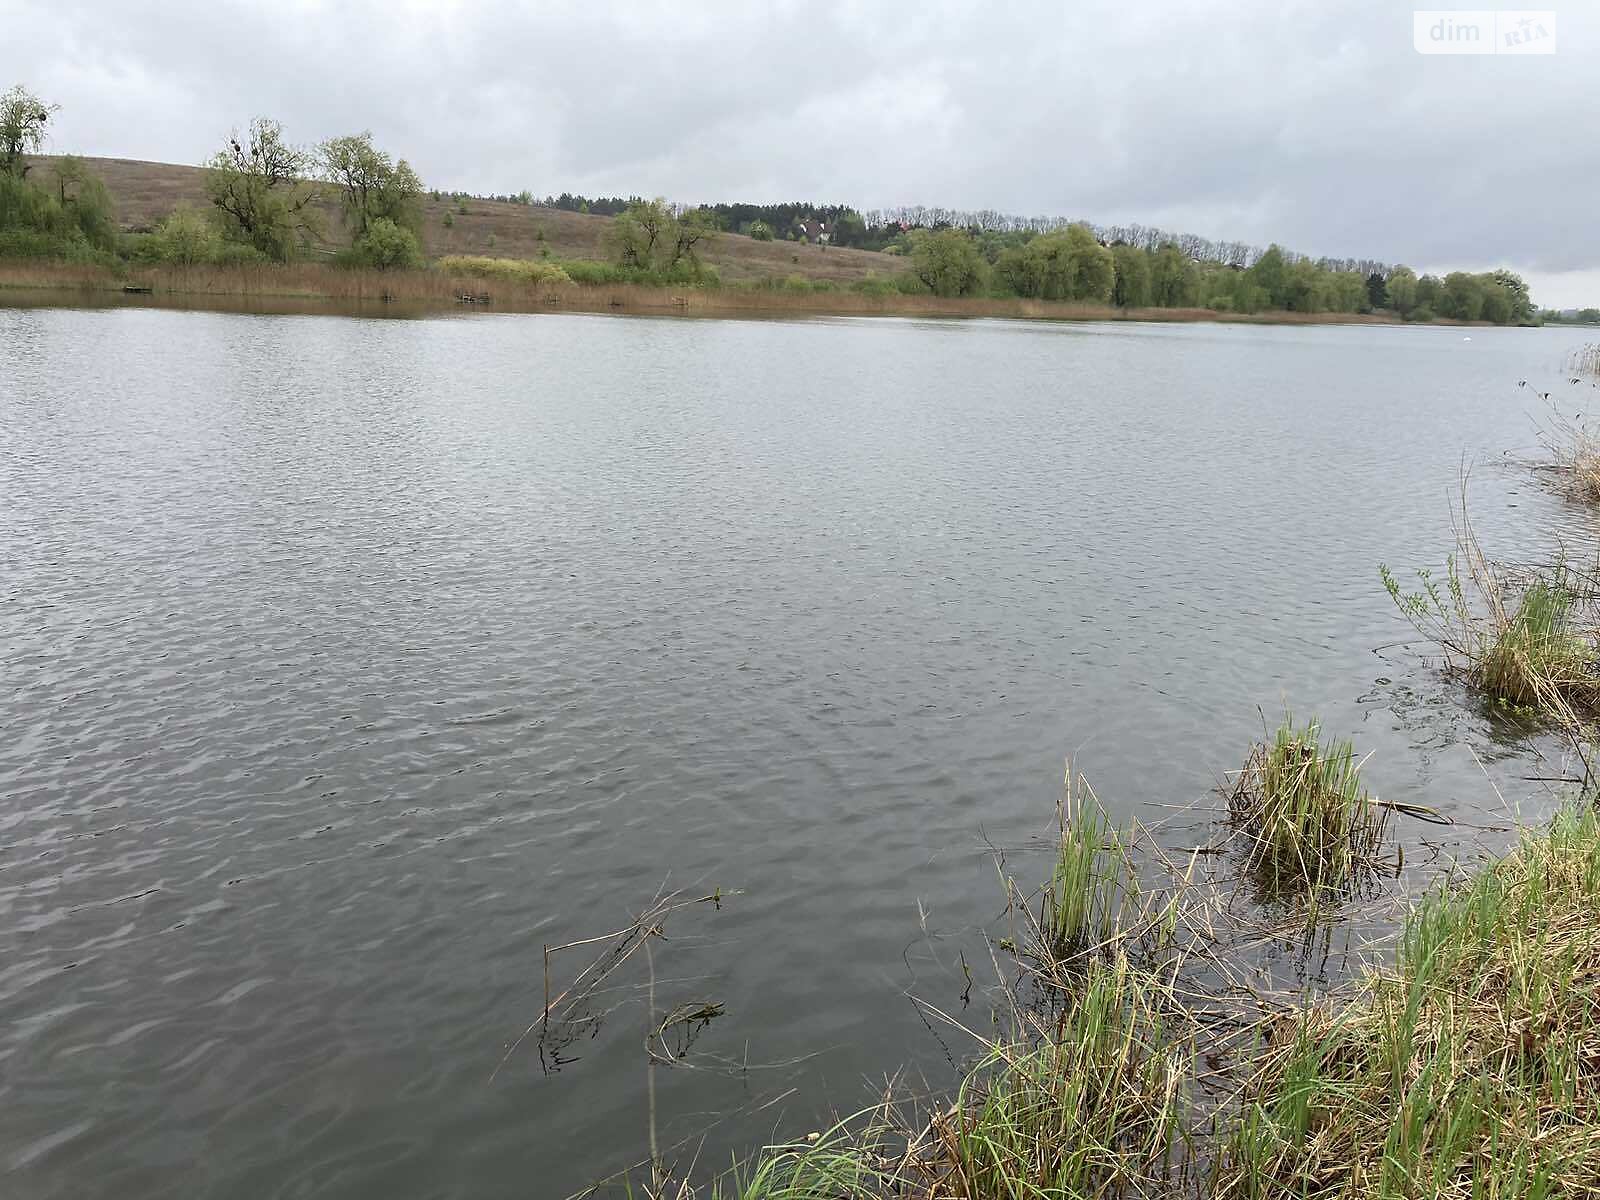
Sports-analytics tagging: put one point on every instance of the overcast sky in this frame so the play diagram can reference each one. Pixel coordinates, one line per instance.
(1313, 124)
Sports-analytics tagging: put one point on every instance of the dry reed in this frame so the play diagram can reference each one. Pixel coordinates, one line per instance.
(313, 281)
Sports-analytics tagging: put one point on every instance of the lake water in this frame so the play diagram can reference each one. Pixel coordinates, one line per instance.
(350, 662)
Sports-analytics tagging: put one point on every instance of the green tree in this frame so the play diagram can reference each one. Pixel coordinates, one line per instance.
(1496, 304)
(1132, 287)
(23, 119)
(1172, 278)
(947, 262)
(1401, 287)
(1377, 291)
(1300, 285)
(646, 236)
(85, 202)
(849, 229)
(258, 187)
(1516, 289)
(638, 231)
(1070, 264)
(692, 230)
(373, 186)
(760, 231)
(1462, 296)
(1091, 269)
(1347, 292)
(1271, 273)
(1429, 294)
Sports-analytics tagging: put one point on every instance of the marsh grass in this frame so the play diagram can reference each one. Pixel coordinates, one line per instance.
(1307, 823)
(1526, 638)
(1471, 1068)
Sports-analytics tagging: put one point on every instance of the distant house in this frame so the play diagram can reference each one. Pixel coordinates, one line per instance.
(813, 230)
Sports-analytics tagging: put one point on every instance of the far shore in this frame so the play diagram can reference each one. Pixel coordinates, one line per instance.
(306, 286)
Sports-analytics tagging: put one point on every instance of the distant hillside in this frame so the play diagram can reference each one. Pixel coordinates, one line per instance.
(145, 192)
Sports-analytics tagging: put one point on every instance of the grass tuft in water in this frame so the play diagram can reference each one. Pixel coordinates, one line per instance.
(1535, 653)
(1525, 638)
(1093, 882)
(1307, 822)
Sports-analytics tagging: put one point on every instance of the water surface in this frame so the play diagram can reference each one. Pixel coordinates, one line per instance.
(350, 662)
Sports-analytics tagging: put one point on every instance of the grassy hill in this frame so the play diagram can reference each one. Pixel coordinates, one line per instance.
(145, 192)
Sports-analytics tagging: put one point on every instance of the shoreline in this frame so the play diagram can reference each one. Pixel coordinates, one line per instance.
(308, 286)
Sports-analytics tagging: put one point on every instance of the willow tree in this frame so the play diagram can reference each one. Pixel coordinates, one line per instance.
(23, 118)
(648, 235)
(259, 186)
(947, 262)
(373, 185)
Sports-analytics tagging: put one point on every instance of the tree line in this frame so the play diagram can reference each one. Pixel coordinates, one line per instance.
(1075, 264)
(268, 198)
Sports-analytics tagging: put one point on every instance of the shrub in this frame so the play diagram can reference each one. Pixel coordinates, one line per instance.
(186, 238)
(760, 231)
(386, 246)
(875, 285)
(237, 254)
(72, 219)
(684, 274)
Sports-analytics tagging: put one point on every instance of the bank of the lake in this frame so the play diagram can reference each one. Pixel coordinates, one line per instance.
(442, 288)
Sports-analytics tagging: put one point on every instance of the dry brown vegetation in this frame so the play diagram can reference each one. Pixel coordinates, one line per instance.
(318, 282)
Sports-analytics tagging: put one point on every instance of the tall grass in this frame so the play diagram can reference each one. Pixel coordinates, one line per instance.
(1305, 818)
(1096, 1109)
(848, 1160)
(1469, 1069)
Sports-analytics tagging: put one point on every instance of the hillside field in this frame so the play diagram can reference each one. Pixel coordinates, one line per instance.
(145, 192)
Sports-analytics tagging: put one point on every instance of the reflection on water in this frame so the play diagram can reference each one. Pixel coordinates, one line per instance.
(352, 663)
